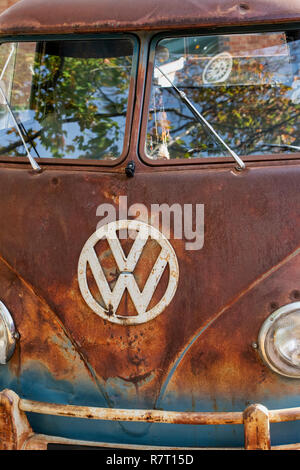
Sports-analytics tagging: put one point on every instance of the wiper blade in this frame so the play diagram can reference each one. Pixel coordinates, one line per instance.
(201, 119)
(32, 161)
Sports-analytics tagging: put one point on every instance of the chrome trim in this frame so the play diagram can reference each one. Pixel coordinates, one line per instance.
(263, 336)
(256, 420)
(11, 334)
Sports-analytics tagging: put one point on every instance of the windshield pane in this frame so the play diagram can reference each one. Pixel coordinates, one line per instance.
(247, 86)
(69, 97)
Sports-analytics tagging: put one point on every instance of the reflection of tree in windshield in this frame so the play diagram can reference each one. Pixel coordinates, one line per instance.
(255, 108)
(76, 107)
(246, 117)
(91, 93)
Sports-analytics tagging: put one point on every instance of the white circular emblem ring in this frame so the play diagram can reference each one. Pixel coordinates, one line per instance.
(126, 279)
(218, 69)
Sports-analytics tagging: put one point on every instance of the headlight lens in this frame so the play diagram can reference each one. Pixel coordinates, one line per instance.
(8, 335)
(279, 340)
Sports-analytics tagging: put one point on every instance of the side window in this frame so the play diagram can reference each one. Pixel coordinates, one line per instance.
(247, 86)
(70, 98)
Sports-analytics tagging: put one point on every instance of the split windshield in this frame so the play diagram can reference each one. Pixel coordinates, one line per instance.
(247, 86)
(70, 98)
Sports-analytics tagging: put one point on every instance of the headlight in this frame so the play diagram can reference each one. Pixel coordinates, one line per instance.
(279, 340)
(8, 335)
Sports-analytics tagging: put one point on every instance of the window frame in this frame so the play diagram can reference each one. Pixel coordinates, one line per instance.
(279, 27)
(130, 107)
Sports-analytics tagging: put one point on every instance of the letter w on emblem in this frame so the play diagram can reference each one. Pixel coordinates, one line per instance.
(126, 266)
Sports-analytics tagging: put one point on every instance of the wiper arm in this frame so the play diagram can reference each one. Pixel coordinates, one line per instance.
(293, 147)
(33, 163)
(201, 119)
(29, 139)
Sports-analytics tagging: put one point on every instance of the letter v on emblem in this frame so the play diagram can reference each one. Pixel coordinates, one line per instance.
(126, 279)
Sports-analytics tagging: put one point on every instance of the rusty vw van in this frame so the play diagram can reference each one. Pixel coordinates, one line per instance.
(150, 229)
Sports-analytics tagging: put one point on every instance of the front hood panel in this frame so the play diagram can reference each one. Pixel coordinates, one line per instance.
(197, 354)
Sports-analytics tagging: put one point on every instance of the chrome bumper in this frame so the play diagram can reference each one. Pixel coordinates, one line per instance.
(16, 433)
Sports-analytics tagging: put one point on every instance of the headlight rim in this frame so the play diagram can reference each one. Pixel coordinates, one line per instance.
(10, 332)
(266, 331)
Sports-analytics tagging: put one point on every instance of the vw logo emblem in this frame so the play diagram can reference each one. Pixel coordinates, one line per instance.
(126, 279)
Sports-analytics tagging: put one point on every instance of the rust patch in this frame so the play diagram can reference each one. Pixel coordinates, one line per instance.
(99, 15)
(224, 351)
(14, 426)
(239, 250)
(42, 337)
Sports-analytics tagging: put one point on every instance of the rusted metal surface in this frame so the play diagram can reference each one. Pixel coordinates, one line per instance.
(255, 418)
(40, 442)
(213, 356)
(150, 416)
(251, 413)
(16, 432)
(14, 426)
(40, 16)
(43, 333)
(248, 267)
(257, 428)
(279, 416)
(50, 216)
(287, 447)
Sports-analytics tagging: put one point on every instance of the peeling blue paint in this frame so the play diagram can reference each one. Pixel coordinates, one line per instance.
(37, 384)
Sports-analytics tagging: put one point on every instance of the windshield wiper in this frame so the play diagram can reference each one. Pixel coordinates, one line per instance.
(201, 119)
(33, 163)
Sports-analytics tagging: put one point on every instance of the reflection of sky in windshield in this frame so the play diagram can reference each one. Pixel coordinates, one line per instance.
(69, 107)
(70, 130)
